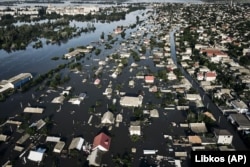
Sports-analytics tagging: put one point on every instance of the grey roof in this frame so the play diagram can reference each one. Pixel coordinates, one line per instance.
(23, 139)
(240, 119)
(3, 137)
(224, 132)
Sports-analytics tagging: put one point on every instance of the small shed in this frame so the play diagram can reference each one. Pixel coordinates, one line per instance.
(154, 113)
(59, 147)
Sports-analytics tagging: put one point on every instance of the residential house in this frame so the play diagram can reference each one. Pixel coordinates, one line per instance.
(210, 76)
(108, 118)
(3, 137)
(101, 142)
(76, 143)
(135, 128)
(131, 101)
(198, 127)
(193, 97)
(171, 76)
(194, 140)
(95, 157)
(37, 155)
(149, 79)
(223, 136)
(154, 113)
(240, 121)
(240, 106)
(59, 147)
(200, 76)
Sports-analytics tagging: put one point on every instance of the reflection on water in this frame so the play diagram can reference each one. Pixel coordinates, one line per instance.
(27, 60)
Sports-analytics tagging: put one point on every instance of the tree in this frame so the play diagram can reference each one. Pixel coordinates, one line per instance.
(102, 35)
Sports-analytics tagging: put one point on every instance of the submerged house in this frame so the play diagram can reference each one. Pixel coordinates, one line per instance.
(76, 143)
(130, 101)
(108, 118)
(101, 142)
(101, 145)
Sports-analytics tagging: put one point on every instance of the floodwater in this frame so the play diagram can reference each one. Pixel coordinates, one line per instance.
(27, 60)
(72, 120)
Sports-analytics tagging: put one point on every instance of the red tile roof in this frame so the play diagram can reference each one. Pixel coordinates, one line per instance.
(213, 52)
(149, 78)
(210, 74)
(102, 140)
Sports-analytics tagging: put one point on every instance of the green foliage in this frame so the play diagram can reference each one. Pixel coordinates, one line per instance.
(55, 58)
(97, 51)
(124, 160)
(123, 34)
(138, 113)
(2, 97)
(110, 37)
(135, 138)
(178, 73)
(71, 49)
(244, 60)
(124, 61)
(102, 35)
(135, 55)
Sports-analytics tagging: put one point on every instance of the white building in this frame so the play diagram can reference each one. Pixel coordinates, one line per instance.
(108, 118)
(130, 101)
(59, 147)
(35, 156)
(135, 128)
(223, 136)
(193, 97)
(76, 143)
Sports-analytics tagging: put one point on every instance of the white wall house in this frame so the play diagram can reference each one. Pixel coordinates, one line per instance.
(223, 136)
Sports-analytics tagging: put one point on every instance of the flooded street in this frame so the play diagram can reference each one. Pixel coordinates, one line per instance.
(72, 120)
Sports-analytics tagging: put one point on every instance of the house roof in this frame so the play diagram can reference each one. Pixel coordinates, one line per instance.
(194, 139)
(35, 156)
(76, 143)
(3, 137)
(102, 140)
(59, 146)
(198, 127)
(149, 78)
(212, 52)
(108, 117)
(95, 157)
(223, 132)
(210, 74)
(154, 113)
(210, 115)
(240, 119)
